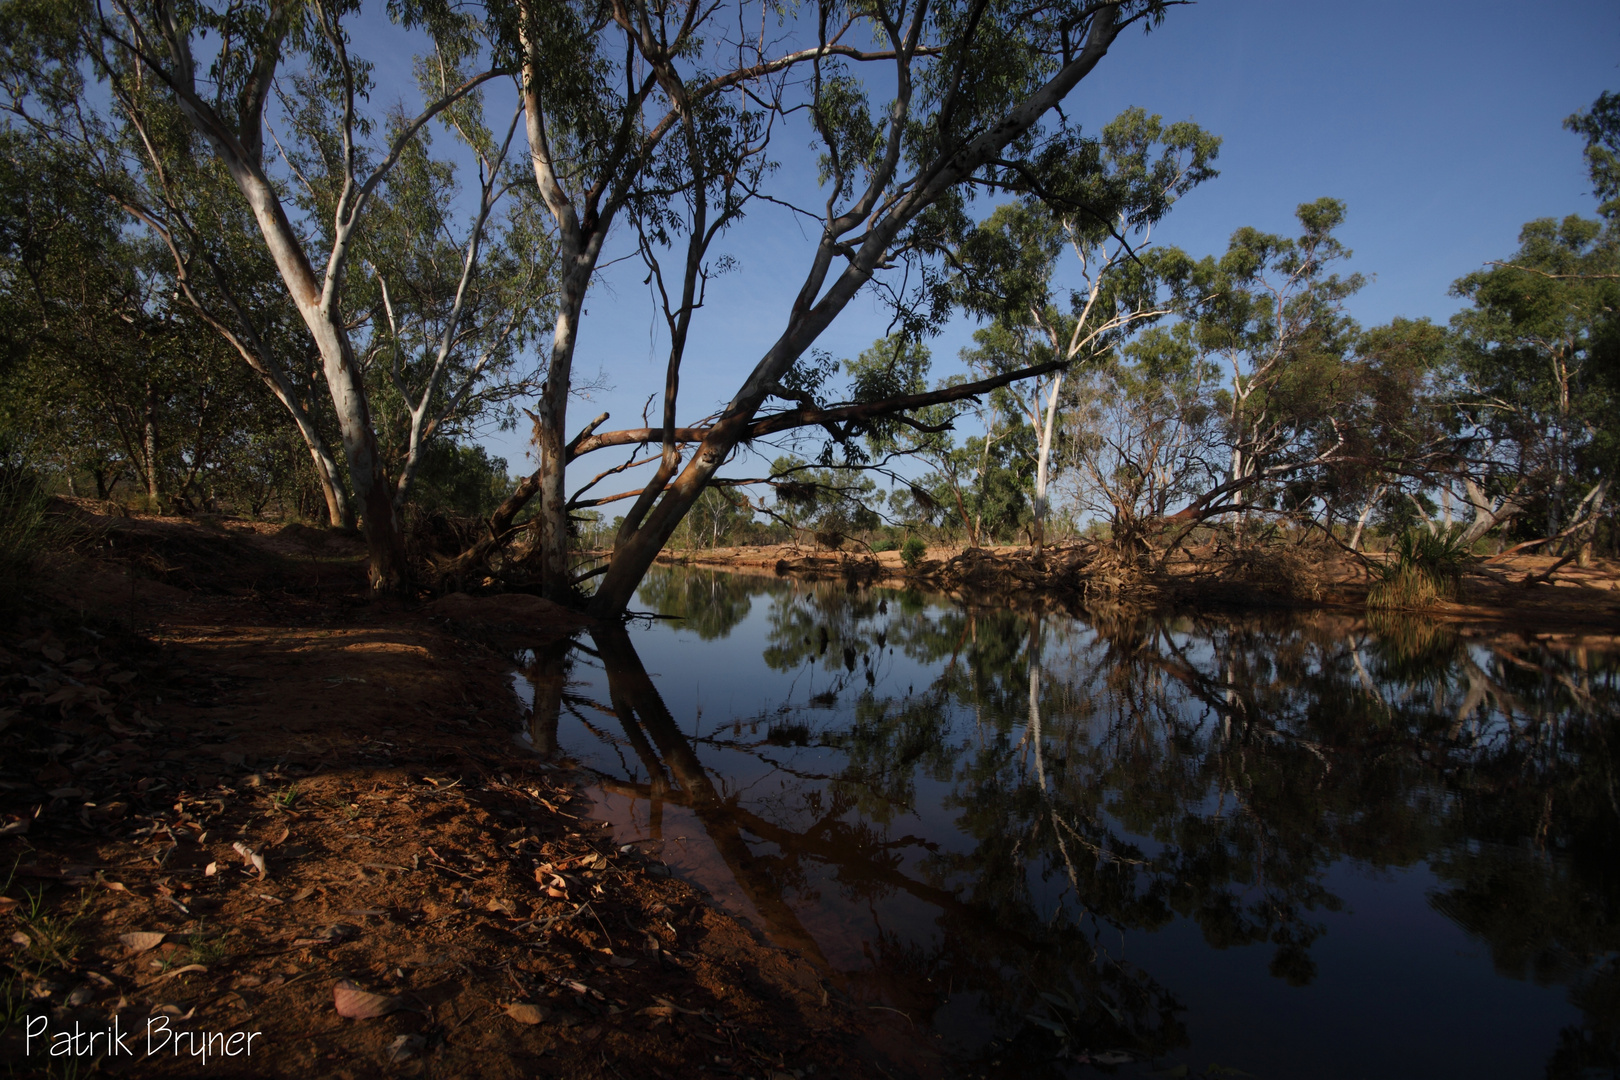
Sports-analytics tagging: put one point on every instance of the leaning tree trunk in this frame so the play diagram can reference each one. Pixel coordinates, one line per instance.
(318, 307)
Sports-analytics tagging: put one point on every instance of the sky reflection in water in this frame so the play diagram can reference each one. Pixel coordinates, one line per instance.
(1296, 846)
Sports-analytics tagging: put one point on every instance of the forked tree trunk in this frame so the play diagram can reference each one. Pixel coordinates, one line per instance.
(317, 306)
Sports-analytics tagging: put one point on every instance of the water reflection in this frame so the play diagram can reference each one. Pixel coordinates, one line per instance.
(1054, 842)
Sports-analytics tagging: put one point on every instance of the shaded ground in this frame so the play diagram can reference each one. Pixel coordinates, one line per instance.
(229, 785)
(1514, 592)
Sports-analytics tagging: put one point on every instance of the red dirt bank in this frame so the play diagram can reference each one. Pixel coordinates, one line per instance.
(365, 752)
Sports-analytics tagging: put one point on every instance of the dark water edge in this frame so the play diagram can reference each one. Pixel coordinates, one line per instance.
(1292, 845)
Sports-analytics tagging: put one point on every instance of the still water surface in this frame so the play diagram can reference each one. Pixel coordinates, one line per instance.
(1296, 846)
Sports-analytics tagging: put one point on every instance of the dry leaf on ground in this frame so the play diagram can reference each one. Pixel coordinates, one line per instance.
(525, 1013)
(404, 1047)
(142, 940)
(357, 1004)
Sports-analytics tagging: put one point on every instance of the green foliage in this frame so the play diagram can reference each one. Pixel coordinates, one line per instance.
(720, 516)
(912, 552)
(1600, 127)
(1425, 567)
(1536, 352)
(461, 480)
(825, 500)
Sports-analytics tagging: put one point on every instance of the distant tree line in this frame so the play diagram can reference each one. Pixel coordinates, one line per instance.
(1235, 392)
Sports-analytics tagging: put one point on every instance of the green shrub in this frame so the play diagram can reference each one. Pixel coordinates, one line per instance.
(912, 552)
(883, 545)
(1425, 567)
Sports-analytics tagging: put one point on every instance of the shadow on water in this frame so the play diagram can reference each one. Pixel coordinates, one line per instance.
(1055, 844)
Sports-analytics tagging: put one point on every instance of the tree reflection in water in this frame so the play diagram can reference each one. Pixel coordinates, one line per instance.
(1116, 775)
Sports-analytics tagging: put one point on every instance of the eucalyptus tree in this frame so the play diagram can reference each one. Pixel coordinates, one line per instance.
(1142, 432)
(1102, 204)
(1398, 424)
(456, 312)
(176, 77)
(1539, 400)
(1537, 356)
(1270, 312)
(960, 97)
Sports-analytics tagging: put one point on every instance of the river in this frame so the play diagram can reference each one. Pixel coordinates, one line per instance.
(1276, 845)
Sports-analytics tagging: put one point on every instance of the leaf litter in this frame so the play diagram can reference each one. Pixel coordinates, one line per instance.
(165, 773)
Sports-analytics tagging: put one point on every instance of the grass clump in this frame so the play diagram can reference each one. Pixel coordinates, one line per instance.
(912, 552)
(25, 533)
(1425, 568)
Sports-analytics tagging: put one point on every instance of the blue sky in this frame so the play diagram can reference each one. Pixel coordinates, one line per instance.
(1439, 124)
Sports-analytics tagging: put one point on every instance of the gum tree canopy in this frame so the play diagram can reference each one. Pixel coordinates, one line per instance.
(651, 118)
(913, 106)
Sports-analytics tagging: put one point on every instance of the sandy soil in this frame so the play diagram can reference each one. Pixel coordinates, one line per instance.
(236, 797)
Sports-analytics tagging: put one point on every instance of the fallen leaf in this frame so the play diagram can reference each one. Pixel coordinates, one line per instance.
(53, 654)
(174, 1011)
(357, 1004)
(304, 894)
(281, 838)
(7, 904)
(405, 1046)
(15, 828)
(252, 858)
(143, 940)
(332, 934)
(187, 969)
(211, 869)
(524, 1013)
(121, 677)
(20, 938)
